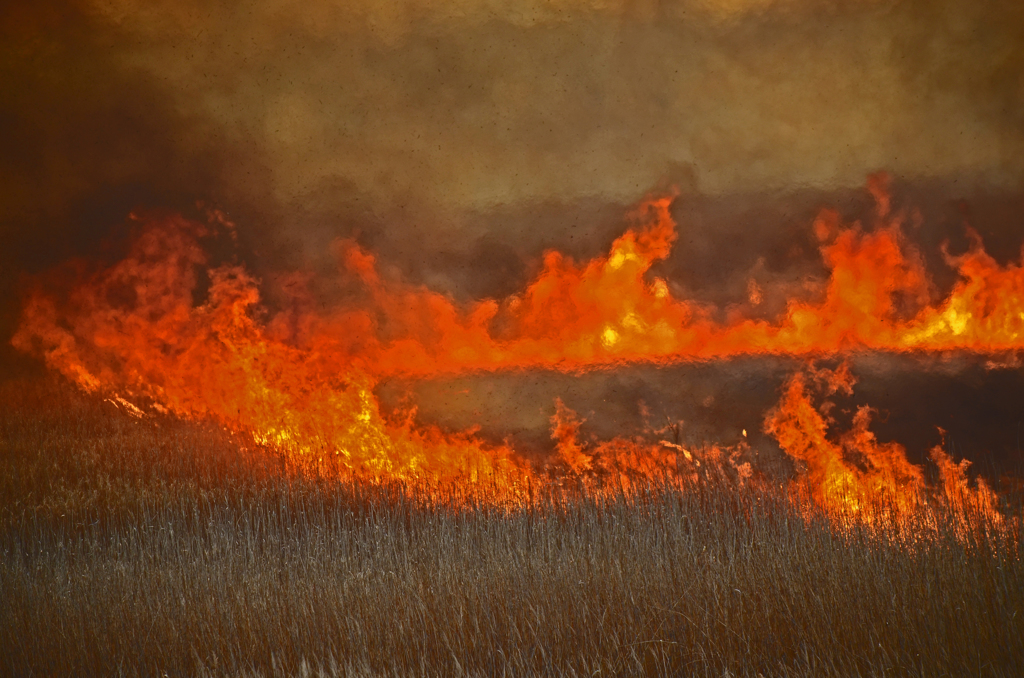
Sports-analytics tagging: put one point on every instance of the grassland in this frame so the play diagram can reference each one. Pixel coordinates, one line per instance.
(158, 547)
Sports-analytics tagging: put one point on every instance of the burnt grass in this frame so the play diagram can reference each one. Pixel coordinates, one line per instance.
(159, 547)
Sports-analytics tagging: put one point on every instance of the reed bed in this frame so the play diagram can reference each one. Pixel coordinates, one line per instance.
(159, 547)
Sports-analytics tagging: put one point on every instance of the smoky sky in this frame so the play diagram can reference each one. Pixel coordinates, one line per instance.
(471, 104)
(459, 139)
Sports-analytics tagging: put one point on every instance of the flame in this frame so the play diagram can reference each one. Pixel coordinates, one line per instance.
(622, 463)
(977, 504)
(134, 329)
(605, 311)
(195, 339)
(856, 476)
(569, 317)
(885, 481)
(565, 428)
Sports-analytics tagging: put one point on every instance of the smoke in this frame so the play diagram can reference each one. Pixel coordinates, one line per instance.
(460, 139)
(472, 104)
(919, 402)
(476, 103)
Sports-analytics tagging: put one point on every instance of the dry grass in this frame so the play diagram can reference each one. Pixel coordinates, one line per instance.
(153, 548)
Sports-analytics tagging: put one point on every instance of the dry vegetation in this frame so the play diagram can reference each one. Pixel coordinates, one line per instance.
(163, 548)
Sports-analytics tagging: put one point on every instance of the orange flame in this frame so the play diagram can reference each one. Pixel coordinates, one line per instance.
(565, 428)
(606, 311)
(134, 329)
(886, 480)
(304, 381)
(859, 477)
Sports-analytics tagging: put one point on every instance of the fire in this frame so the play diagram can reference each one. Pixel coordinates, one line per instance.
(150, 328)
(856, 476)
(565, 428)
(621, 462)
(606, 311)
(883, 482)
(134, 329)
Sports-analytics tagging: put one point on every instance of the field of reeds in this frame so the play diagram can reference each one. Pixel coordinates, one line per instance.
(157, 547)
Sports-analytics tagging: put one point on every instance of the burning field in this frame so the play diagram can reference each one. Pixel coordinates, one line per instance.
(164, 331)
(234, 473)
(364, 341)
